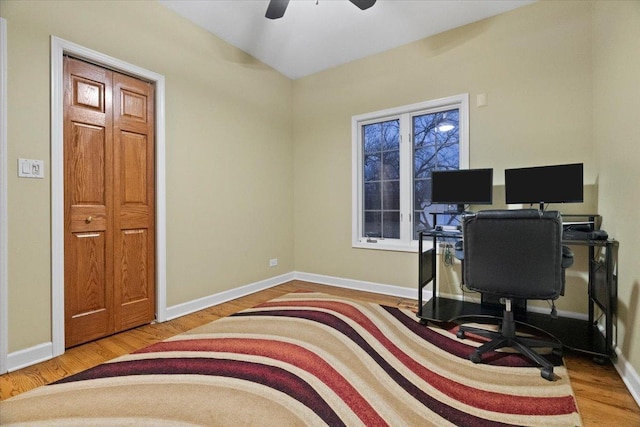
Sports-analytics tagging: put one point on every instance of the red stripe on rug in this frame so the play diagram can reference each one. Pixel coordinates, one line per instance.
(482, 399)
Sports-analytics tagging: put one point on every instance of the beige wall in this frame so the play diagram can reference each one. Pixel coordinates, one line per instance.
(616, 95)
(229, 151)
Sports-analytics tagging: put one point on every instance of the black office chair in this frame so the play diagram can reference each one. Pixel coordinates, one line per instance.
(514, 255)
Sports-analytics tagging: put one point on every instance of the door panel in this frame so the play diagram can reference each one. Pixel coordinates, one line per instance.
(135, 290)
(109, 202)
(134, 168)
(88, 151)
(88, 301)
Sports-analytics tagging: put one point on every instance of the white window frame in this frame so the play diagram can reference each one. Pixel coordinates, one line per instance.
(405, 114)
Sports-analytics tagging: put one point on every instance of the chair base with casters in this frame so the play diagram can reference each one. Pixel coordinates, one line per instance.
(506, 337)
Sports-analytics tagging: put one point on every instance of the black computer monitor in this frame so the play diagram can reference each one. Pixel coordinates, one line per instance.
(462, 187)
(545, 184)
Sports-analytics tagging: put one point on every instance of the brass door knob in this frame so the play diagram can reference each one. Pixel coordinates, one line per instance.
(89, 219)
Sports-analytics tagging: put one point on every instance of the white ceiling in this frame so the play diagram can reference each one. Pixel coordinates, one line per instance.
(315, 35)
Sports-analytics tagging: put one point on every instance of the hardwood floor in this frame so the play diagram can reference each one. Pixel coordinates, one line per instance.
(602, 397)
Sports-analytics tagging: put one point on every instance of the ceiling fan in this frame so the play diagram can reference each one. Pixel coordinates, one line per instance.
(276, 8)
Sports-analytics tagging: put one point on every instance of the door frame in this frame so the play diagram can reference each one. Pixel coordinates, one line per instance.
(59, 48)
(4, 227)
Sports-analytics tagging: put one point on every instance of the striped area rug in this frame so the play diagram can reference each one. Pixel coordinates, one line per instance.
(304, 359)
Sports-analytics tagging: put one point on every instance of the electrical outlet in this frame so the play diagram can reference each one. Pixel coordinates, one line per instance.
(273, 262)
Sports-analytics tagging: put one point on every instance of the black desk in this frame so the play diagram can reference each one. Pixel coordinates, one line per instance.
(574, 334)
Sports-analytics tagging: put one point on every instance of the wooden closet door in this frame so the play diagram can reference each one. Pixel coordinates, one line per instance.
(134, 224)
(109, 202)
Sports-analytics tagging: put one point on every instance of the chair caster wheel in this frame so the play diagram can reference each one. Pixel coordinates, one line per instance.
(460, 334)
(475, 357)
(548, 374)
(424, 322)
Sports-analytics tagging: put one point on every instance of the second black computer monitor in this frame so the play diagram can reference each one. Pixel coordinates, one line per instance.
(544, 184)
(462, 187)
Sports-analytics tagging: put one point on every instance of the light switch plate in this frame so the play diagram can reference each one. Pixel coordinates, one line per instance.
(29, 168)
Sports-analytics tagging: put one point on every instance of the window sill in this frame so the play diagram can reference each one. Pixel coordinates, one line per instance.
(384, 245)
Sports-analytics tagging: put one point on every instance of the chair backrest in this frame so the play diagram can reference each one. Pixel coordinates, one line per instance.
(514, 253)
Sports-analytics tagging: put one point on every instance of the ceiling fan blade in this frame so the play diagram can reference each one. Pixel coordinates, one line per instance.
(276, 9)
(363, 4)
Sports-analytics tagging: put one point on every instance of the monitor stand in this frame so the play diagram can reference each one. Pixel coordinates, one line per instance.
(460, 209)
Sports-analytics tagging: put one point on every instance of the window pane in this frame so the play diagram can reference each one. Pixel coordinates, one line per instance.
(448, 157)
(391, 165)
(391, 135)
(424, 161)
(423, 126)
(372, 166)
(372, 138)
(372, 224)
(391, 225)
(391, 195)
(372, 196)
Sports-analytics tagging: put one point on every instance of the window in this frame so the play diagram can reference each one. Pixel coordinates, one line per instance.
(394, 152)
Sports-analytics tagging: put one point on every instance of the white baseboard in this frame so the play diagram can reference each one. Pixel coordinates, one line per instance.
(215, 299)
(359, 285)
(29, 356)
(629, 375)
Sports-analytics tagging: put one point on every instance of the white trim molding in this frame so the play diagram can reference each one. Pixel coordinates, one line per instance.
(30, 356)
(377, 288)
(4, 226)
(59, 48)
(219, 298)
(628, 374)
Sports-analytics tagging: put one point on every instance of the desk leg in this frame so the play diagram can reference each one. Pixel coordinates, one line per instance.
(434, 283)
(590, 290)
(612, 296)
